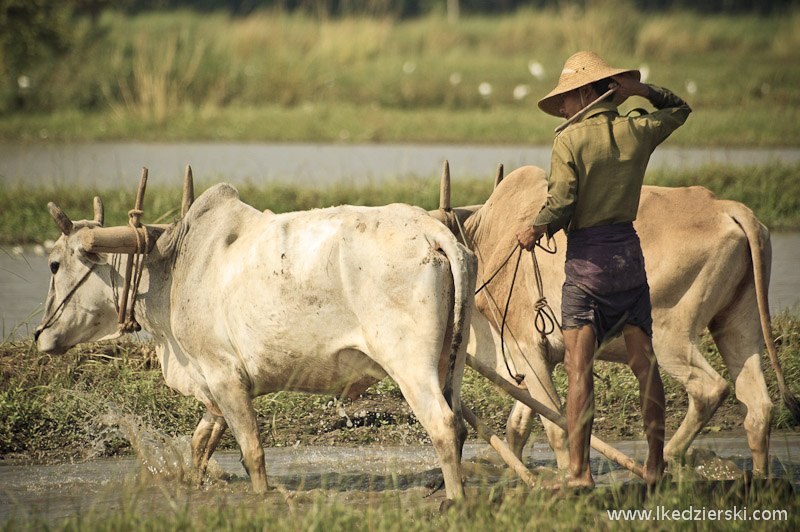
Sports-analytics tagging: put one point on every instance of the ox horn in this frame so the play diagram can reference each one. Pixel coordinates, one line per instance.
(188, 191)
(62, 220)
(444, 188)
(99, 211)
(499, 176)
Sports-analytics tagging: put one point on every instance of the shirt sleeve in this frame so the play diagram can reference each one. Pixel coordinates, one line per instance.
(671, 113)
(562, 189)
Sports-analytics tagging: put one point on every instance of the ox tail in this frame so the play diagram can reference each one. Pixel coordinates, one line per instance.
(761, 254)
(463, 267)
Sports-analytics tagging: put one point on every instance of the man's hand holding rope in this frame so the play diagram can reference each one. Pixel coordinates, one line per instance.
(529, 235)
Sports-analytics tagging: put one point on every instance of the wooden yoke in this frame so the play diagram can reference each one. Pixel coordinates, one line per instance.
(127, 239)
(121, 239)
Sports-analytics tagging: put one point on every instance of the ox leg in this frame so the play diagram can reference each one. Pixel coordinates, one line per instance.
(740, 347)
(704, 386)
(484, 345)
(445, 427)
(205, 440)
(237, 409)
(539, 382)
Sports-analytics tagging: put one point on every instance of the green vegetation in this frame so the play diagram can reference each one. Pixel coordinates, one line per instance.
(277, 76)
(505, 508)
(772, 191)
(24, 217)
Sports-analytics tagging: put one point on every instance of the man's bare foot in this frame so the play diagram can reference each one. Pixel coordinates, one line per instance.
(570, 481)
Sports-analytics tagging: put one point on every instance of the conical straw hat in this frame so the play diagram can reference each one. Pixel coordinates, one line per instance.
(581, 69)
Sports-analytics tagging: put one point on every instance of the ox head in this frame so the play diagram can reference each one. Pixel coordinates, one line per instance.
(80, 305)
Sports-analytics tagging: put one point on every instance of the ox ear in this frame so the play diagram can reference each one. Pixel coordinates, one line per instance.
(99, 211)
(62, 220)
(444, 188)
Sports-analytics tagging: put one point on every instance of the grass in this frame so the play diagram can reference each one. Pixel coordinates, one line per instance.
(772, 191)
(24, 217)
(496, 509)
(272, 76)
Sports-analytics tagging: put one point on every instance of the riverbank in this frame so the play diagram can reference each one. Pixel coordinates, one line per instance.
(273, 76)
(52, 407)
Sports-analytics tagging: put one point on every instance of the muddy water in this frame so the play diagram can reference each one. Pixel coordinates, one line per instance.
(158, 478)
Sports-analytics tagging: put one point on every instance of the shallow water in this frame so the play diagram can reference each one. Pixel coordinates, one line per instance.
(157, 478)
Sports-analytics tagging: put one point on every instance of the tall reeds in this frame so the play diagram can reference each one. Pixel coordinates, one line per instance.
(386, 75)
(161, 77)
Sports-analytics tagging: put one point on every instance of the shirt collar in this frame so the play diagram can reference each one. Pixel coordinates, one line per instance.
(602, 107)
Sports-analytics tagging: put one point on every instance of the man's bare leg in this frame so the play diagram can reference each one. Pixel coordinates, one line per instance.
(578, 362)
(642, 362)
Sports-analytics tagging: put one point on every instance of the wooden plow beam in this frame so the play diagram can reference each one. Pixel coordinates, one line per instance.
(524, 397)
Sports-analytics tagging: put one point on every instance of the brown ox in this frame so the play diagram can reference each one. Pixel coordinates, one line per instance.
(708, 263)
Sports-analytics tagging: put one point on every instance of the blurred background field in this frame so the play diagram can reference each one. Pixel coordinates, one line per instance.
(382, 71)
(458, 72)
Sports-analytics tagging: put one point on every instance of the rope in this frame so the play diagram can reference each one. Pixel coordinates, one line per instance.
(518, 377)
(544, 320)
(49, 321)
(129, 323)
(498, 269)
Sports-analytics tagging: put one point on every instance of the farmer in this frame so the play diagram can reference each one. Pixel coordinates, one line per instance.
(597, 168)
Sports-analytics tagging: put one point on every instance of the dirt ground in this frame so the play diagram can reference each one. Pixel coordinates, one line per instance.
(387, 419)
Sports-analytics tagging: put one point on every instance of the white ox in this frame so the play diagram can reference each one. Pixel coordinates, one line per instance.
(708, 264)
(243, 303)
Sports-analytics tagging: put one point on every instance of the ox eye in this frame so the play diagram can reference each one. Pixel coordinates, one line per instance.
(54, 267)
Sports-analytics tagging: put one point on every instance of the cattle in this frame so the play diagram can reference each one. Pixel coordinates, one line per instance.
(708, 264)
(242, 303)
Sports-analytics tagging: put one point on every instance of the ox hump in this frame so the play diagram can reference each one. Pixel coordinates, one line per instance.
(211, 199)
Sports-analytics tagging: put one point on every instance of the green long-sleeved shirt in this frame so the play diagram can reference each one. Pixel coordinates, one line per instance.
(598, 164)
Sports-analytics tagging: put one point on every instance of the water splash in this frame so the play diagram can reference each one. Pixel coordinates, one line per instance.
(707, 465)
(163, 456)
